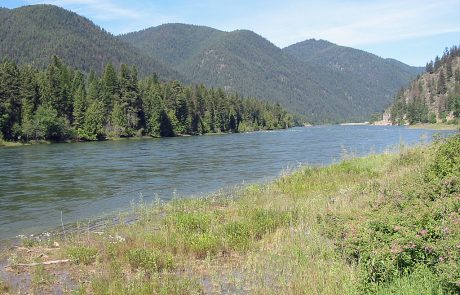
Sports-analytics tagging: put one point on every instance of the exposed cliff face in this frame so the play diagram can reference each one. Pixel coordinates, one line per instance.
(433, 96)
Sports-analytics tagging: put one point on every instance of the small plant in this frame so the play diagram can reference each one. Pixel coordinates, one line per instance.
(203, 245)
(192, 222)
(150, 260)
(82, 255)
(41, 276)
(238, 235)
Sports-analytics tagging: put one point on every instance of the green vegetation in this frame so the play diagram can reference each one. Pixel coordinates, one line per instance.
(35, 33)
(434, 126)
(383, 224)
(433, 97)
(339, 85)
(243, 62)
(61, 103)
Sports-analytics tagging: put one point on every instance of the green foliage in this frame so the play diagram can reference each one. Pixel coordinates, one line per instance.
(82, 255)
(412, 232)
(61, 103)
(446, 163)
(150, 260)
(435, 93)
(48, 124)
(33, 34)
(320, 80)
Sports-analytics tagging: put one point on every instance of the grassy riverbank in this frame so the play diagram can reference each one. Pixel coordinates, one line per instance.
(436, 126)
(382, 224)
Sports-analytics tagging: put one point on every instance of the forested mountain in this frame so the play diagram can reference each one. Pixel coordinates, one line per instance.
(433, 96)
(63, 103)
(33, 34)
(245, 62)
(366, 77)
(322, 88)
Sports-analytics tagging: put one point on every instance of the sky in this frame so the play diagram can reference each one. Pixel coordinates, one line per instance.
(412, 31)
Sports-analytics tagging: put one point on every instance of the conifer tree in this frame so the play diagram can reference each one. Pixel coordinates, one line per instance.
(10, 100)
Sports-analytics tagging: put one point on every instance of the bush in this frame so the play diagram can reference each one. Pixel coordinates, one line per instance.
(150, 260)
(82, 255)
(415, 226)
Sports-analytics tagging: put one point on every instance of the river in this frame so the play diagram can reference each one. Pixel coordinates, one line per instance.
(84, 180)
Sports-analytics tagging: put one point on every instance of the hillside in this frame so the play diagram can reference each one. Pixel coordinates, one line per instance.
(33, 34)
(239, 61)
(245, 62)
(432, 97)
(366, 77)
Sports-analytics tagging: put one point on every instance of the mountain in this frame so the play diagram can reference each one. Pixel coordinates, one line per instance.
(351, 88)
(367, 77)
(338, 84)
(433, 96)
(33, 34)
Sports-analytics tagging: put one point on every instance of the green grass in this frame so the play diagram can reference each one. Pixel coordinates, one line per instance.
(436, 126)
(382, 224)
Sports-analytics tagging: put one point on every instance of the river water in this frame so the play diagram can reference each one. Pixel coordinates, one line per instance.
(84, 180)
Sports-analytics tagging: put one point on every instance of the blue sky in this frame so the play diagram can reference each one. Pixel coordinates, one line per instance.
(411, 31)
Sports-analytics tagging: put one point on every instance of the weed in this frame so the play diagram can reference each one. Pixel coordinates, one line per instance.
(150, 260)
(82, 255)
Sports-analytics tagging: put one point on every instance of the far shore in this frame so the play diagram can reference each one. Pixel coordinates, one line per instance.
(437, 126)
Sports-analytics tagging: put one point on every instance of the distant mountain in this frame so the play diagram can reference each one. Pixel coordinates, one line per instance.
(433, 96)
(366, 77)
(33, 34)
(338, 84)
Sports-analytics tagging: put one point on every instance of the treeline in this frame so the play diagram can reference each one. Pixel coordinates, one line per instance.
(61, 103)
(446, 59)
(434, 96)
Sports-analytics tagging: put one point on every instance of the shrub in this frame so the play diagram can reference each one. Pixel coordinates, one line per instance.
(150, 260)
(82, 255)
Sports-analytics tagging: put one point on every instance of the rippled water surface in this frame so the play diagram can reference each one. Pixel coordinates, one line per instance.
(85, 180)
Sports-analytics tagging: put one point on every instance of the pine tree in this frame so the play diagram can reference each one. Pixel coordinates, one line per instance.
(30, 99)
(10, 100)
(110, 90)
(79, 104)
(449, 73)
(129, 98)
(93, 128)
(442, 88)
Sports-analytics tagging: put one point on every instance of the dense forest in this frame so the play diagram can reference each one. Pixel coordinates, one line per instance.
(434, 96)
(61, 103)
(33, 34)
(325, 83)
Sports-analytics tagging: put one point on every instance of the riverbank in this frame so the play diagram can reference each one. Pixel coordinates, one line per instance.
(380, 224)
(4, 143)
(437, 126)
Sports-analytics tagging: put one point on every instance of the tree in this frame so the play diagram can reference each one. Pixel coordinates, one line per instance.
(429, 67)
(48, 124)
(442, 88)
(10, 101)
(30, 99)
(110, 89)
(56, 88)
(79, 104)
(94, 121)
(129, 99)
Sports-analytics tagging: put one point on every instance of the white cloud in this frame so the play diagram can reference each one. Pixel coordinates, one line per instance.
(353, 23)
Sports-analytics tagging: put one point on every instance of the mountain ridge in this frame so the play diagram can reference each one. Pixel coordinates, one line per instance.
(239, 61)
(43, 30)
(273, 73)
